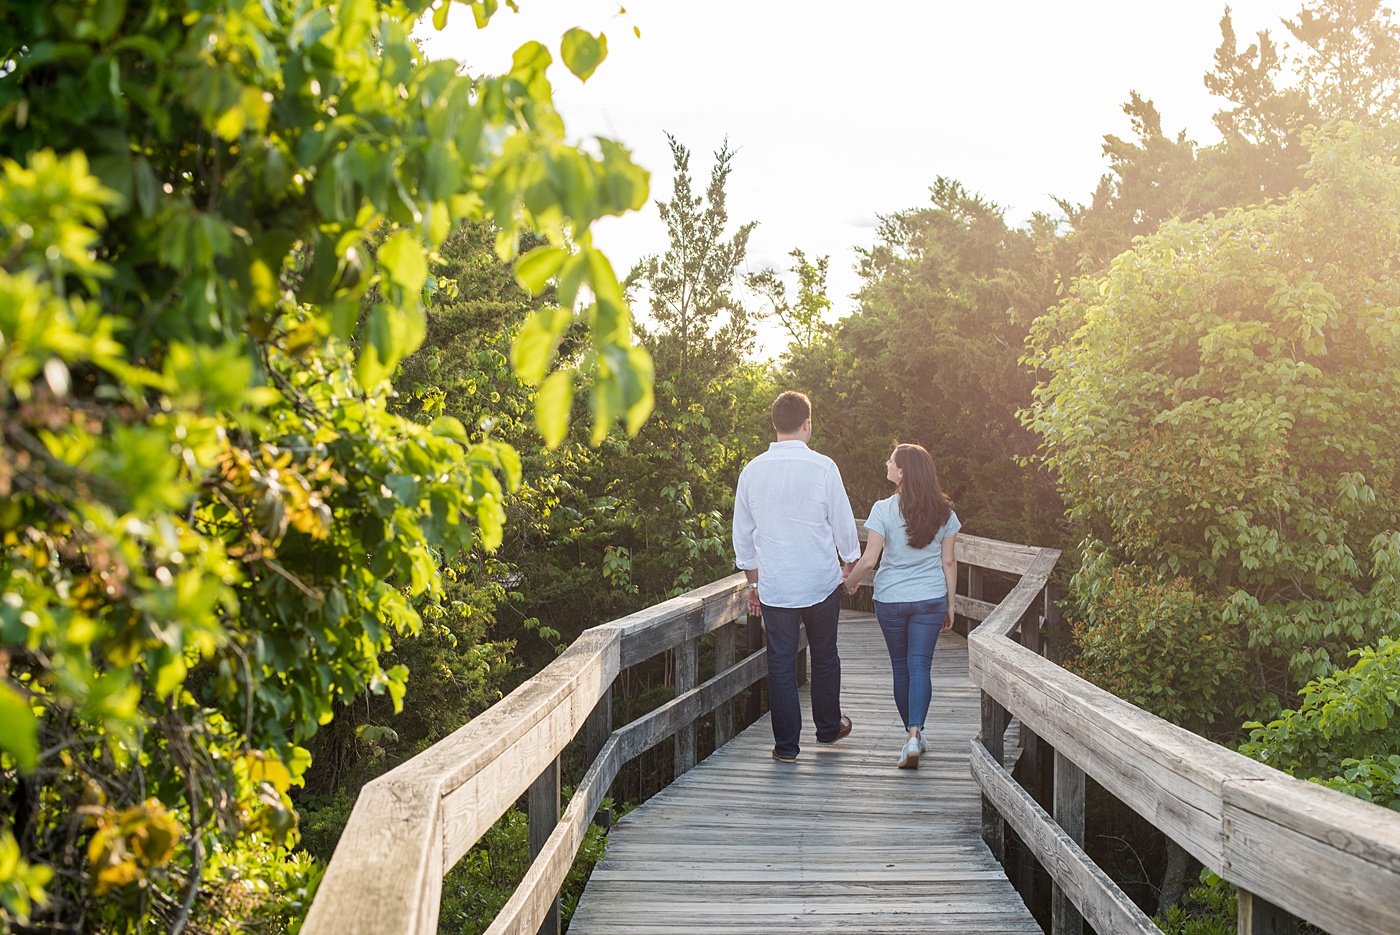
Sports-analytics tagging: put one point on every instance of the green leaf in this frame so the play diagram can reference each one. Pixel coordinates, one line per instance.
(19, 732)
(534, 269)
(583, 52)
(552, 407)
(534, 346)
(571, 276)
(405, 260)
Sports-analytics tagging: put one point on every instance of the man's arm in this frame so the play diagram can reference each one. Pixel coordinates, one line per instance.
(745, 555)
(843, 521)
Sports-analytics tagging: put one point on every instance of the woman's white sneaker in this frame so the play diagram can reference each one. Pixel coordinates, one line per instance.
(909, 755)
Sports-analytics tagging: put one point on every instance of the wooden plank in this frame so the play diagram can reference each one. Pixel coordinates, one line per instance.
(599, 726)
(542, 804)
(486, 765)
(459, 787)
(996, 555)
(1328, 858)
(1098, 898)
(687, 658)
(1261, 917)
(1065, 918)
(986, 553)
(668, 624)
(385, 877)
(655, 726)
(529, 905)
(992, 736)
(841, 840)
(1277, 845)
(724, 658)
(972, 608)
(1165, 773)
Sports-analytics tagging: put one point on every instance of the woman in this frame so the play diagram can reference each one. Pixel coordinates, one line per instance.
(914, 529)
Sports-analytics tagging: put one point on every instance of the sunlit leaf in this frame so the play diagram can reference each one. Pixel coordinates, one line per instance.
(19, 733)
(552, 406)
(583, 52)
(534, 269)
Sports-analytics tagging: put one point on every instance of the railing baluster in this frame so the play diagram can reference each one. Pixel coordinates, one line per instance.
(993, 730)
(1261, 917)
(543, 807)
(1069, 815)
(1028, 766)
(724, 658)
(974, 590)
(753, 641)
(687, 677)
(596, 731)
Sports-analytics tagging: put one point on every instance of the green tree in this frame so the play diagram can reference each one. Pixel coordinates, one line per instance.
(1223, 408)
(216, 224)
(804, 319)
(931, 358)
(689, 289)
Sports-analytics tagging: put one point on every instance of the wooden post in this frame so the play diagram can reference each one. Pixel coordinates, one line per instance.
(599, 726)
(596, 731)
(1069, 815)
(974, 590)
(1028, 769)
(724, 658)
(1259, 917)
(543, 807)
(687, 677)
(753, 640)
(993, 729)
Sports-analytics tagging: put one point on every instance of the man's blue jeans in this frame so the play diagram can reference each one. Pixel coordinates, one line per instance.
(911, 631)
(781, 624)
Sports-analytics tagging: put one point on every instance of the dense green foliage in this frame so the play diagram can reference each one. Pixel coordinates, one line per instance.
(1225, 410)
(215, 234)
(930, 359)
(1197, 675)
(1346, 733)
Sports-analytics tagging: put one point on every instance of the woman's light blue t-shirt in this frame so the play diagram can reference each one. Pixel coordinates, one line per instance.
(907, 574)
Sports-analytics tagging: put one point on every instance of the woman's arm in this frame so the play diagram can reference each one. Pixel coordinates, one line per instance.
(950, 576)
(874, 544)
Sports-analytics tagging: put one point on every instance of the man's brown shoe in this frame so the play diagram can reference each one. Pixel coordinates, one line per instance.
(845, 729)
(784, 757)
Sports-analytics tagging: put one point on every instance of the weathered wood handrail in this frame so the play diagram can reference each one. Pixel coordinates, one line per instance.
(1325, 857)
(411, 825)
(1289, 845)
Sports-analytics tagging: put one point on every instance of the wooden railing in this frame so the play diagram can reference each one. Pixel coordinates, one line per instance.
(1293, 848)
(1290, 846)
(410, 826)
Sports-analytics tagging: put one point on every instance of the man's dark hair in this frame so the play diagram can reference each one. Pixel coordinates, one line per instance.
(790, 410)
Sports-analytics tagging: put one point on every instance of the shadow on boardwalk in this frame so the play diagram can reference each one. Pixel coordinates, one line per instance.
(840, 841)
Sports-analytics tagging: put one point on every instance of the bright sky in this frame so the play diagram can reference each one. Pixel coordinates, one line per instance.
(842, 111)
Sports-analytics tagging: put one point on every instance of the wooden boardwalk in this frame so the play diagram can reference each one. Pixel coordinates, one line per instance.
(840, 841)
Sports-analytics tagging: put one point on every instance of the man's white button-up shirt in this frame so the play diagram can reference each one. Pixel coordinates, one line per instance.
(791, 520)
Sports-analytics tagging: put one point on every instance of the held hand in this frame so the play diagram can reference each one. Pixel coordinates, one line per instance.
(948, 621)
(852, 586)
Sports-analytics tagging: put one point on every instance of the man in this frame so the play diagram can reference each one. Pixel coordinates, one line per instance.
(792, 520)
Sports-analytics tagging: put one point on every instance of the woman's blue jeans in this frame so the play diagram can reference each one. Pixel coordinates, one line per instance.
(911, 631)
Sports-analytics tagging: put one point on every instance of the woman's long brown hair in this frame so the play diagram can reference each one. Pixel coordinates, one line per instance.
(922, 502)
